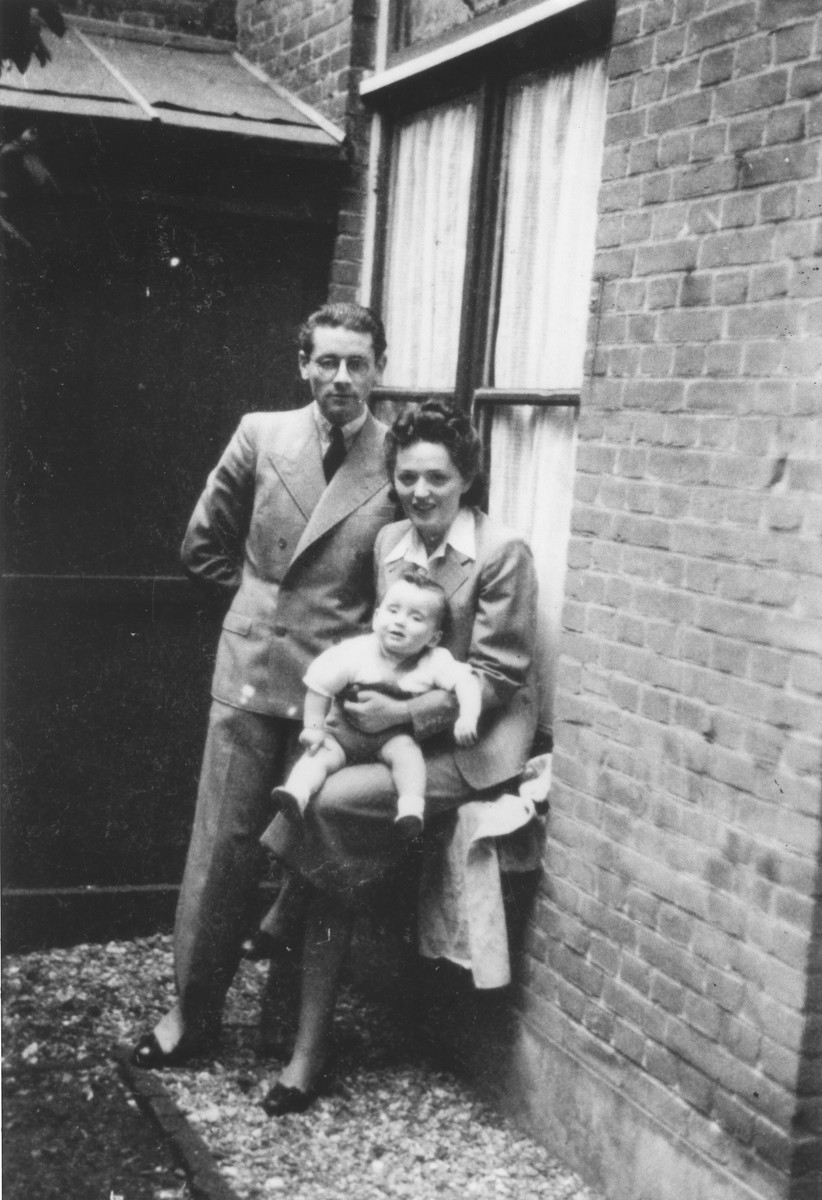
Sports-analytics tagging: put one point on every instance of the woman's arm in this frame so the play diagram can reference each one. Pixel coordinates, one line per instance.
(374, 712)
(502, 635)
(469, 698)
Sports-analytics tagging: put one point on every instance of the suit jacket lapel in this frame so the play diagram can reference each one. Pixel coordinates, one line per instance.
(299, 463)
(360, 476)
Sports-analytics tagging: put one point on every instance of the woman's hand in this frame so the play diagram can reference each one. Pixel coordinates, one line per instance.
(535, 780)
(373, 712)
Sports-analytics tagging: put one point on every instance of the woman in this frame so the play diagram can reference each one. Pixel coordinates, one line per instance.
(349, 844)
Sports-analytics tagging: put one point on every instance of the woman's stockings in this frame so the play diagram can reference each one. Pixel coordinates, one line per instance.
(327, 937)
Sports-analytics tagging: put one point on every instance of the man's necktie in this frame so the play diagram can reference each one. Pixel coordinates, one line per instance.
(335, 453)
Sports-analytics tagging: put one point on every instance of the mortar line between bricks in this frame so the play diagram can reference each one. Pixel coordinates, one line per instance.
(188, 1147)
(675, 1137)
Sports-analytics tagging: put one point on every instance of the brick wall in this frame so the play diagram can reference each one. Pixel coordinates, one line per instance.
(206, 18)
(677, 943)
(305, 44)
(319, 49)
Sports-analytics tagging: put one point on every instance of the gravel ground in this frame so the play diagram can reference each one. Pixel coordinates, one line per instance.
(71, 1130)
(391, 1122)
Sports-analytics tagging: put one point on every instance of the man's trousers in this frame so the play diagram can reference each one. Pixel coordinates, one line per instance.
(246, 755)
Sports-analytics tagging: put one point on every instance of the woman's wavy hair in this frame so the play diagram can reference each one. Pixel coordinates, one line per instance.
(442, 423)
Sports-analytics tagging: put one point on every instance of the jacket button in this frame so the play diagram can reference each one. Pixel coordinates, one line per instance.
(280, 630)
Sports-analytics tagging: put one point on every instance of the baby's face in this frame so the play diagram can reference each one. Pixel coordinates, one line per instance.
(407, 621)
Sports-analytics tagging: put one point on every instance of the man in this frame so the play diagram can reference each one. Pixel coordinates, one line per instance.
(286, 525)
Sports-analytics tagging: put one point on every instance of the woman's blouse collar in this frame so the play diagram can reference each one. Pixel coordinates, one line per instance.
(462, 537)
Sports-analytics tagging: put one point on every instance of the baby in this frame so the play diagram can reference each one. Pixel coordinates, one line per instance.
(402, 658)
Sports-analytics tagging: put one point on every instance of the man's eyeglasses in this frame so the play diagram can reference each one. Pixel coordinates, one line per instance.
(328, 366)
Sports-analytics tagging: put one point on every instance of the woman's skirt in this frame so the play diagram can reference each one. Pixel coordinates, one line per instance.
(348, 845)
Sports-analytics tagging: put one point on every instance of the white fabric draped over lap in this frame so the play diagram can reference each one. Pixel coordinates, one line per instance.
(461, 913)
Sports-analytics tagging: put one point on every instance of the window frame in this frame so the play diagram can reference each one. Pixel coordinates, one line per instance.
(400, 63)
(412, 82)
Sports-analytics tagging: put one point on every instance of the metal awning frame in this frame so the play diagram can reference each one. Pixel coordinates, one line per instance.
(319, 136)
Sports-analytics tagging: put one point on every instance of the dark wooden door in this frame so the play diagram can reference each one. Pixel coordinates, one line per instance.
(135, 337)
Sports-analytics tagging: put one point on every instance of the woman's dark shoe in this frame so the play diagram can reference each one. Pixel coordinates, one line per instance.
(149, 1054)
(281, 1100)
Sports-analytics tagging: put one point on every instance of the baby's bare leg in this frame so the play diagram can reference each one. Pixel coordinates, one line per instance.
(404, 757)
(307, 776)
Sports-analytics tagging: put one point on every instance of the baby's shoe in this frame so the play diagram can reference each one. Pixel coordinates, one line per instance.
(288, 804)
(409, 816)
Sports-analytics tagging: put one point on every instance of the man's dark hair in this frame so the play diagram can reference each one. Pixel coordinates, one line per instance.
(354, 317)
(440, 422)
(419, 577)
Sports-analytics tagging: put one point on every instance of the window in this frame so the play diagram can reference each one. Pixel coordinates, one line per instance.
(421, 20)
(485, 246)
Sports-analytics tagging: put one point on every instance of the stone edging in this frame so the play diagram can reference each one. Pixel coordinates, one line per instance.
(188, 1147)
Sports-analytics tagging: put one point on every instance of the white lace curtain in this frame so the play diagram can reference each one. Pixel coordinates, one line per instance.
(432, 161)
(546, 240)
(547, 226)
(531, 486)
